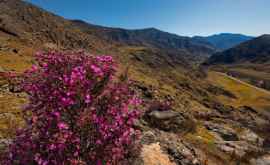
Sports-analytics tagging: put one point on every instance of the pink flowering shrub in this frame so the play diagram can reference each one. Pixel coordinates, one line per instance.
(77, 113)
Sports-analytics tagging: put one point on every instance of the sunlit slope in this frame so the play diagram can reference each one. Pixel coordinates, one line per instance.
(246, 94)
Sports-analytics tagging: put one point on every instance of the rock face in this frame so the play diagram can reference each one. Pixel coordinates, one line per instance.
(164, 148)
(165, 120)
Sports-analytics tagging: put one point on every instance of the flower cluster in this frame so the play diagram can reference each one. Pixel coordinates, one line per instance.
(77, 113)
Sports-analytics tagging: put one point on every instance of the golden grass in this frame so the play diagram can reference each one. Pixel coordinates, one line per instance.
(10, 114)
(246, 95)
(19, 61)
(13, 62)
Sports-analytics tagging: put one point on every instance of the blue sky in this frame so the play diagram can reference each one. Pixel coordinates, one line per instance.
(183, 17)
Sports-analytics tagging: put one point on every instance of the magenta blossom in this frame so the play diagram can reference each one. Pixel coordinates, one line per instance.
(79, 115)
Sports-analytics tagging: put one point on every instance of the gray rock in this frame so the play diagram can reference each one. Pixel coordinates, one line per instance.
(238, 148)
(4, 143)
(165, 120)
(182, 154)
(163, 115)
(225, 133)
(250, 136)
(15, 88)
(264, 160)
(148, 137)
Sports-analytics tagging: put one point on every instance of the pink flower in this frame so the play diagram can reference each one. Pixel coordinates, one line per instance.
(34, 68)
(96, 69)
(99, 162)
(73, 110)
(52, 147)
(44, 64)
(62, 125)
(98, 142)
(87, 99)
(57, 114)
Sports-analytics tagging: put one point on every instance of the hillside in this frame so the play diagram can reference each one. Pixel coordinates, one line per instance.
(254, 51)
(250, 61)
(201, 127)
(224, 41)
(32, 23)
(150, 37)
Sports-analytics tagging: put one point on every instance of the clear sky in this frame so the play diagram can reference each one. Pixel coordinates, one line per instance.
(183, 17)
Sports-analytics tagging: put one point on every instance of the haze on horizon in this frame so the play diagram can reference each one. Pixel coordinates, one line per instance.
(188, 18)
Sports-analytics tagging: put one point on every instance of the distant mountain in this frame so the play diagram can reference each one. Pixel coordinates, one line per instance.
(224, 40)
(25, 21)
(256, 50)
(150, 37)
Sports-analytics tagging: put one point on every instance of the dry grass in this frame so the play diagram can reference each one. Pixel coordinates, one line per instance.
(246, 95)
(14, 62)
(10, 113)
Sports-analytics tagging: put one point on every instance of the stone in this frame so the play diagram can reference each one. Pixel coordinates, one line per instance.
(237, 148)
(15, 88)
(182, 154)
(225, 133)
(148, 137)
(263, 160)
(250, 136)
(4, 143)
(163, 115)
(165, 120)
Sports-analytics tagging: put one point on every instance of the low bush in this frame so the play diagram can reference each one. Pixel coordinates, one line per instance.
(77, 113)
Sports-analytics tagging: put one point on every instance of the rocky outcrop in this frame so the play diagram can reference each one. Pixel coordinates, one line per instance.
(169, 120)
(221, 132)
(166, 148)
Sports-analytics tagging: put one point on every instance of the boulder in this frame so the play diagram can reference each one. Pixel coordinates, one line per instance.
(182, 154)
(226, 133)
(165, 120)
(237, 148)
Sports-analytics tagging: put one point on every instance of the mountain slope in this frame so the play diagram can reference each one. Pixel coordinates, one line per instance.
(149, 37)
(224, 41)
(31, 23)
(256, 50)
(250, 61)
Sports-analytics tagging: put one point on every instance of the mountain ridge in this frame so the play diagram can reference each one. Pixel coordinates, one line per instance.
(255, 50)
(223, 41)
